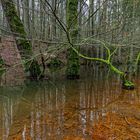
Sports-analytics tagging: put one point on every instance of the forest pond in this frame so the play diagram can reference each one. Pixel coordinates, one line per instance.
(91, 108)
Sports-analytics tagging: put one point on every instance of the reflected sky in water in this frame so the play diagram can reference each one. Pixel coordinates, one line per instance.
(60, 108)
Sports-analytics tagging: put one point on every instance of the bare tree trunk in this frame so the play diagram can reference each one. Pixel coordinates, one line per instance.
(18, 8)
(53, 21)
(33, 19)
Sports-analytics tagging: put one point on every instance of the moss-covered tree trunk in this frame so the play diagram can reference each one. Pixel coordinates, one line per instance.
(72, 24)
(24, 46)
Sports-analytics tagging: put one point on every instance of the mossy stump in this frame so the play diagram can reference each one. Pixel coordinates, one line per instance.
(35, 72)
(128, 85)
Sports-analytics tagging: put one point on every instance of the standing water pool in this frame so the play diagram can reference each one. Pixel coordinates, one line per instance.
(93, 107)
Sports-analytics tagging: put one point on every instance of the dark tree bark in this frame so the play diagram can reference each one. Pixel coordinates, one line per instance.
(72, 24)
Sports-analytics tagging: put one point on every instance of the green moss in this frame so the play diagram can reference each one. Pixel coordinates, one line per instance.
(73, 59)
(15, 21)
(55, 62)
(25, 44)
(73, 65)
(127, 85)
(35, 70)
(16, 24)
(72, 6)
(2, 69)
(1, 61)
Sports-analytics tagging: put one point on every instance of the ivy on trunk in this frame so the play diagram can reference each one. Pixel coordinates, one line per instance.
(72, 24)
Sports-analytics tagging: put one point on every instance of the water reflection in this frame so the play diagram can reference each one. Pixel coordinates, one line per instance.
(57, 110)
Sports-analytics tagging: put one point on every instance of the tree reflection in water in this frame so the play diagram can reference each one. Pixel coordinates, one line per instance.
(63, 109)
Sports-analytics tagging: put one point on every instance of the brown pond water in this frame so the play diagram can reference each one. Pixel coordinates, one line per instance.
(91, 108)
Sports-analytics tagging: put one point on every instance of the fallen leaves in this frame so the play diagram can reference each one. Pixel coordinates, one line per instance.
(73, 138)
(116, 127)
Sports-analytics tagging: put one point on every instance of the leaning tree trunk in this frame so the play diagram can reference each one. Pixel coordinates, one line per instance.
(24, 46)
(72, 24)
